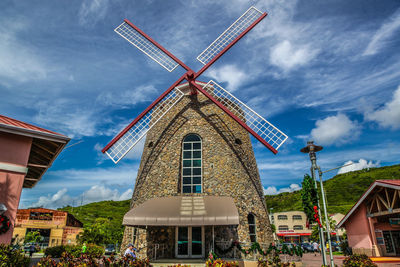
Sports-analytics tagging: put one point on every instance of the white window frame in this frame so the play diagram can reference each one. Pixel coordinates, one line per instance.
(192, 167)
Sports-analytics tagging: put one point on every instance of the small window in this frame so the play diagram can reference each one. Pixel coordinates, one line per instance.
(298, 227)
(297, 217)
(282, 217)
(283, 228)
(251, 219)
(191, 164)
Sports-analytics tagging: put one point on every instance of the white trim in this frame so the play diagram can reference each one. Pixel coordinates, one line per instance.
(33, 133)
(375, 184)
(13, 168)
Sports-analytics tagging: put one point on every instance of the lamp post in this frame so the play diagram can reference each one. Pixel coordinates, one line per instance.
(311, 149)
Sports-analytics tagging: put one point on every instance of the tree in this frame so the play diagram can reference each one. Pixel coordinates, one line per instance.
(33, 237)
(101, 232)
(315, 228)
(309, 197)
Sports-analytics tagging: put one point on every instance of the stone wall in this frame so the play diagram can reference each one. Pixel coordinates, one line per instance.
(229, 165)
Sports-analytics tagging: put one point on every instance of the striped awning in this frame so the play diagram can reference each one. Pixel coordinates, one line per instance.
(183, 211)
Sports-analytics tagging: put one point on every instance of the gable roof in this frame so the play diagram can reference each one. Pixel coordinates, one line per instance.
(394, 184)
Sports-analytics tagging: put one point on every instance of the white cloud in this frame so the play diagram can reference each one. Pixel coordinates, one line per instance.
(230, 74)
(271, 190)
(356, 166)
(387, 30)
(92, 11)
(18, 61)
(286, 56)
(127, 98)
(94, 194)
(389, 115)
(337, 130)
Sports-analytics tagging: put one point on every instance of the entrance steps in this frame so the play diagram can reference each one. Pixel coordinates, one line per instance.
(172, 262)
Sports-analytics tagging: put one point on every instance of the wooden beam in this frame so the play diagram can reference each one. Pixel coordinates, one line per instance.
(386, 212)
(43, 148)
(37, 165)
(30, 179)
(377, 203)
(387, 197)
(394, 199)
(383, 201)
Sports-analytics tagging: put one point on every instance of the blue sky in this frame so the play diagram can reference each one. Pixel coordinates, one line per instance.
(322, 70)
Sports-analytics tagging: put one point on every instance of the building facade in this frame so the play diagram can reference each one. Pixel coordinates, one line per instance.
(26, 152)
(198, 186)
(292, 226)
(373, 223)
(55, 227)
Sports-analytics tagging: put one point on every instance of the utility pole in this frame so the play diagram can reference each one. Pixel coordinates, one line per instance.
(310, 149)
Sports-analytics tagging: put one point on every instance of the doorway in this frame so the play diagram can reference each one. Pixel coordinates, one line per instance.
(189, 242)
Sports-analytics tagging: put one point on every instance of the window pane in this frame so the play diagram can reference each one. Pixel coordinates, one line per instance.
(197, 163)
(187, 180)
(196, 171)
(186, 189)
(187, 163)
(187, 154)
(196, 154)
(187, 146)
(197, 180)
(253, 238)
(196, 145)
(197, 189)
(250, 218)
(252, 229)
(191, 137)
(187, 171)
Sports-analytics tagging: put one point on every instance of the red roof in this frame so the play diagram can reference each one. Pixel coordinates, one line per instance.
(391, 182)
(23, 125)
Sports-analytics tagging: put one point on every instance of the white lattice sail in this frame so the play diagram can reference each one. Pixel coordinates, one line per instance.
(258, 124)
(143, 44)
(137, 131)
(230, 34)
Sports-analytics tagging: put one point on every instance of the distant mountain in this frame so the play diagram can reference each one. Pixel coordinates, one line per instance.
(342, 191)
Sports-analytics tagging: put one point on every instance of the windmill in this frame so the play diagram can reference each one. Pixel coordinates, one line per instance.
(266, 133)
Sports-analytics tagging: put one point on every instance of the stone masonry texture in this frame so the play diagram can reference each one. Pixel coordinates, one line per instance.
(229, 169)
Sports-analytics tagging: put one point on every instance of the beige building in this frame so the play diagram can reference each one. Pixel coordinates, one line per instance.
(56, 227)
(291, 226)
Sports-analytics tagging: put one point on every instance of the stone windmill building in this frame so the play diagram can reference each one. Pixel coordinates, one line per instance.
(197, 185)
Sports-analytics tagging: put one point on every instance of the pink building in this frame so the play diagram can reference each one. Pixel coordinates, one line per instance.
(26, 152)
(373, 223)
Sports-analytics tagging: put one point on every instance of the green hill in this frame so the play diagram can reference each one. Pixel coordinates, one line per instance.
(342, 191)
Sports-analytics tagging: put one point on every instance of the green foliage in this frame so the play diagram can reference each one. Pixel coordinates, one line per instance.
(92, 251)
(10, 257)
(113, 211)
(309, 197)
(358, 260)
(273, 228)
(100, 232)
(342, 191)
(32, 237)
(55, 252)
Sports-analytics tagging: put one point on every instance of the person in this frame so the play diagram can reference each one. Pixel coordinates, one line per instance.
(31, 250)
(129, 252)
(315, 247)
(84, 248)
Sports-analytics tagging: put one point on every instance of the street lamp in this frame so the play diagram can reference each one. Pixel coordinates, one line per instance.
(311, 149)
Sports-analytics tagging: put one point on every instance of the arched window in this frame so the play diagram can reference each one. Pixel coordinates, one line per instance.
(251, 219)
(191, 164)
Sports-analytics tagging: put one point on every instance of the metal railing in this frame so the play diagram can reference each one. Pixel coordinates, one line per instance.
(156, 251)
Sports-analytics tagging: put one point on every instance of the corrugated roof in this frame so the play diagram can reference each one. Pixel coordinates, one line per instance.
(23, 125)
(391, 182)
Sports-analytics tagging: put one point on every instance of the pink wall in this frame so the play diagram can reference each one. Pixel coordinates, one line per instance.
(357, 228)
(13, 150)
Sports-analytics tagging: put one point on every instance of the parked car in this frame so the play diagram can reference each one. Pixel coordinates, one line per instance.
(307, 247)
(110, 249)
(27, 247)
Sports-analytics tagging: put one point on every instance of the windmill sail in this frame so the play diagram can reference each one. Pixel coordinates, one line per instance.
(260, 126)
(144, 43)
(137, 131)
(234, 31)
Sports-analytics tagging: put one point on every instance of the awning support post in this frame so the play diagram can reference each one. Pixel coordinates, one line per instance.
(213, 238)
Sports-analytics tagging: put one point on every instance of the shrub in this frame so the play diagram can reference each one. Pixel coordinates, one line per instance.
(92, 250)
(10, 257)
(359, 260)
(54, 252)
